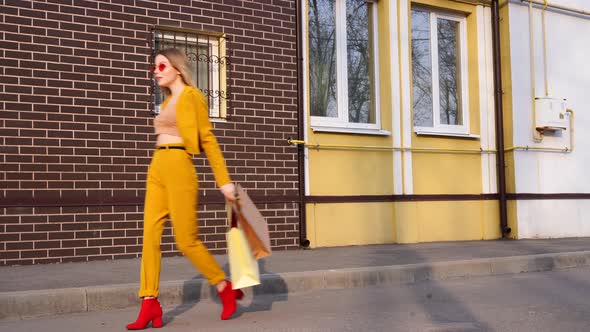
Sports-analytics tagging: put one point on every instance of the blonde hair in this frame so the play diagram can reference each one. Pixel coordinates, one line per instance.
(179, 61)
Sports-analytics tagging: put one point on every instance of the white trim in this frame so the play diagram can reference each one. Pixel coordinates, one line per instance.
(427, 131)
(328, 129)
(376, 77)
(464, 46)
(305, 106)
(341, 62)
(483, 100)
(396, 106)
(449, 129)
(434, 68)
(490, 100)
(324, 121)
(406, 73)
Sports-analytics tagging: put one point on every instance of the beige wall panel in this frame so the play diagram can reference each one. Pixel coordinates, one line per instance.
(350, 224)
(341, 173)
(490, 220)
(446, 174)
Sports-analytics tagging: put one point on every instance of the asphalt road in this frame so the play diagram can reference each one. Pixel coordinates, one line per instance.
(539, 302)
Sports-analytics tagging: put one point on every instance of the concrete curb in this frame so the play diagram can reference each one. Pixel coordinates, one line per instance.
(28, 304)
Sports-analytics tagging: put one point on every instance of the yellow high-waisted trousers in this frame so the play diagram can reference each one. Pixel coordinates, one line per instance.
(172, 191)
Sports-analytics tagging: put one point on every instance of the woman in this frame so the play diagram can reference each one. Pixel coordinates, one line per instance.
(182, 129)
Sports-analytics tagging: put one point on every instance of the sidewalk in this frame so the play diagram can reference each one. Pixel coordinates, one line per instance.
(29, 291)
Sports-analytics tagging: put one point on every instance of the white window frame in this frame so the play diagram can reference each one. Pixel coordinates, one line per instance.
(438, 128)
(217, 110)
(341, 123)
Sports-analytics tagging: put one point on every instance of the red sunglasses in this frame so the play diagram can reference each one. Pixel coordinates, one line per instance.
(161, 67)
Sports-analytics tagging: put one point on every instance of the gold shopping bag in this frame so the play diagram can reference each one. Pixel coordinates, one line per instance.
(242, 265)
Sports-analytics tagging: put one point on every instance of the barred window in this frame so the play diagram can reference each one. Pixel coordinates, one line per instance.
(206, 54)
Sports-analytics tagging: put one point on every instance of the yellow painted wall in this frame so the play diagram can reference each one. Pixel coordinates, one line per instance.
(508, 118)
(446, 221)
(490, 220)
(349, 224)
(447, 173)
(341, 224)
(512, 219)
(335, 172)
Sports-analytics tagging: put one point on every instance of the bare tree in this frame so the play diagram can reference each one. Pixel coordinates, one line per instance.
(322, 44)
(421, 69)
(448, 54)
(448, 70)
(322, 49)
(360, 55)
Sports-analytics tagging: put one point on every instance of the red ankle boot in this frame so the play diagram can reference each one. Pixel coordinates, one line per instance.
(228, 298)
(151, 311)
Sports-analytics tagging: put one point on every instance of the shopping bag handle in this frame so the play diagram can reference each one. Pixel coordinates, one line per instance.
(234, 209)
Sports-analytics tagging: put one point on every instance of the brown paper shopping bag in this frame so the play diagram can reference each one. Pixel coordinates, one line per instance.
(253, 224)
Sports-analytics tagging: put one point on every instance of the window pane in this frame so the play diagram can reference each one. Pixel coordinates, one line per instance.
(361, 108)
(322, 58)
(449, 74)
(421, 69)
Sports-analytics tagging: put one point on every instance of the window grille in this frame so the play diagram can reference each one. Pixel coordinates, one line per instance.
(208, 61)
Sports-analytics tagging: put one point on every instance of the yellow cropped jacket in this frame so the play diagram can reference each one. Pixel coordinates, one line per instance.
(192, 119)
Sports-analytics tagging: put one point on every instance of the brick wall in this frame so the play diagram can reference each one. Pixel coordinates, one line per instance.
(76, 128)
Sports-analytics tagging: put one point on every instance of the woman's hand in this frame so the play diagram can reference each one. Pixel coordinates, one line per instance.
(229, 191)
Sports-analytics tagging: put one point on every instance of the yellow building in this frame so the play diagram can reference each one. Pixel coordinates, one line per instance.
(399, 121)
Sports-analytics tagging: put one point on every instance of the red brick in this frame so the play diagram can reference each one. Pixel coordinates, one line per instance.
(33, 254)
(61, 235)
(19, 245)
(100, 243)
(10, 255)
(61, 252)
(73, 243)
(47, 244)
(87, 251)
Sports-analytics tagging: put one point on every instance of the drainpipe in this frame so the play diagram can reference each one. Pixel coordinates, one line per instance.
(303, 241)
(499, 116)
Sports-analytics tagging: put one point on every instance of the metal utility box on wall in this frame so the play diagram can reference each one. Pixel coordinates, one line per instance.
(551, 114)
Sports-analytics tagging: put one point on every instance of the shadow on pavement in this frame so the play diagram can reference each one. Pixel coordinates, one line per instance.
(454, 317)
(191, 295)
(265, 294)
(262, 296)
